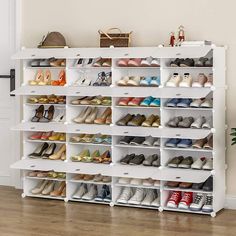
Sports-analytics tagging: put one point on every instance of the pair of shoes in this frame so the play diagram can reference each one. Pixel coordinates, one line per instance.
(51, 62)
(205, 186)
(150, 81)
(61, 79)
(98, 100)
(41, 78)
(42, 115)
(202, 122)
(181, 185)
(90, 116)
(90, 62)
(188, 162)
(47, 174)
(47, 151)
(139, 196)
(202, 103)
(91, 138)
(188, 62)
(179, 102)
(139, 81)
(139, 120)
(139, 62)
(137, 101)
(84, 193)
(52, 99)
(179, 143)
(138, 141)
(205, 143)
(132, 159)
(104, 195)
(85, 156)
(49, 187)
(201, 201)
(95, 178)
(138, 182)
(104, 79)
(53, 136)
(204, 62)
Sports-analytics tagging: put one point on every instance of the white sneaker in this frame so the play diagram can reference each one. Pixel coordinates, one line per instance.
(123, 81)
(137, 197)
(134, 80)
(197, 202)
(40, 187)
(156, 62)
(199, 163)
(123, 180)
(135, 181)
(149, 198)
(174, 80)
(196, 103)
(208, 205)
(197, 124)
(80, 192)
(156, 143)
(48, 188)
(156, 201)
(201, 80)
(207, 124)
(125, 195)
(148, 182)
(208, 165)
(187, 81)
(91, 194)
(207, 103)
(146, 61)
(157, 183)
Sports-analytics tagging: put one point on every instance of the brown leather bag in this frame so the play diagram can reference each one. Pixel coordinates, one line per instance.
(53, 40)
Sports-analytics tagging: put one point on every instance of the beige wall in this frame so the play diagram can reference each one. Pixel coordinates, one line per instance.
(151, 21)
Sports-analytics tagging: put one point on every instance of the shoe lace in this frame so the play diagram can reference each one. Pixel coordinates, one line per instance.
(175, 196)
(198, 198)
(186, 197)
(209, 200)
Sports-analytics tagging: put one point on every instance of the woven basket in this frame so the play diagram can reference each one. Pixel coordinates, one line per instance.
(110, 38)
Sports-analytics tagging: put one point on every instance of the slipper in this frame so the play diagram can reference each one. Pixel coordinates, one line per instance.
(106, 101)
(135, 102)
(32, 100)
(134, 62)
(123, 62)
(96, 101)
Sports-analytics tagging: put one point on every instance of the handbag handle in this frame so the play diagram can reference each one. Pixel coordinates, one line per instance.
(109, 31)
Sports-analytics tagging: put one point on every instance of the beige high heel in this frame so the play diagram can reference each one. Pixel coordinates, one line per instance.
(102, 119)
(92, 116)
(47, 78)
(58, 192)
(58, 154)
(38, 78)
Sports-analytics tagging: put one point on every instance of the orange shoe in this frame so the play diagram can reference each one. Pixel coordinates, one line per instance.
(61, 81)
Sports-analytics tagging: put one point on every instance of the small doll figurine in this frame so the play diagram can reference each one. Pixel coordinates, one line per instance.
(172, 39)
(181, 36)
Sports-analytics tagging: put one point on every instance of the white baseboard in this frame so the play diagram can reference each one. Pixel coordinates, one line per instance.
(230, 202)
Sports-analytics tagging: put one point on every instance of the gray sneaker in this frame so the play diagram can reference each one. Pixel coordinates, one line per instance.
(186, 163)
(175, 121)
(186, 122)
(175, 161)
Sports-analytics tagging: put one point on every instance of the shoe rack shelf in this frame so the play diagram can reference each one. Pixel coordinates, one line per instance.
(115, 169)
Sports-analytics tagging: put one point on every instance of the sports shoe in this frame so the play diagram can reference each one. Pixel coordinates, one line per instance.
(175, 161)
(137, 160)
(186, 81)
(102, 194)
(155, 62)
(186, 122)
(137, 141)
(126, 160)
(208, 185)
(156, 201)
(184, 102)
(149, 141)
(125, 195)
(146, 81)
(198, 164)
(209, 81)
(174, 80)
(91, 194)
(188, 62)
(157, 162)
(208, 204)
(148, 182)
(174, 200)
(207, 103)
(197, 186)
(156, 80)
(184, 143)
(157, 142)
(196, 103)
(199, 143)
(146, 61)
(172, 142)
(197, 203)
(123, 81)
(80, 192)
(207, 124)
(149, 198)
(174, 121)
(209, 143)
(186, 163)
(138, 196)
(186, 200)
(197, 124)
(208, 165)
(126, 140)
(150, 159)
(136, 181)
(173, 102)
(134, 81)
(201, 80)
(123, 180)
(156, 102)
(157, 183)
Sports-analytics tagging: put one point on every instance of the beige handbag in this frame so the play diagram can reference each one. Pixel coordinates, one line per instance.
(114, 37)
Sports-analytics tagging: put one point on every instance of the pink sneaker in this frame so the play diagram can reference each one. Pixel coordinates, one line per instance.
(123, 62)
(134, 62)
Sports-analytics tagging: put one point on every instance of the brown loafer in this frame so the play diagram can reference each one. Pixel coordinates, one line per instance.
(124, 121)
(172, 184)
(185, 185)
(149, 121)
(199, 143)
(137, 120)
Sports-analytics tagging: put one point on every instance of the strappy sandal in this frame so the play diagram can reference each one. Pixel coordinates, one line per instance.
(106, 157)
(100, 79)
(39, 112)
(48, 114)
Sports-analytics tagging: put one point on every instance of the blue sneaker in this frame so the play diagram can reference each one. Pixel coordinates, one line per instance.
(146, 81)
(155, 81)
(172, 142)
(184, 102)
(156, 102)
(173, 102)
(147, 101)
(102, 194)
(185, 143)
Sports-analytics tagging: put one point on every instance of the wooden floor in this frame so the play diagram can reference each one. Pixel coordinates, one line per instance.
(40, 217)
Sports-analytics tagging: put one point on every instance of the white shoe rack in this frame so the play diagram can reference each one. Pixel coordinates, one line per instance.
(115, 169)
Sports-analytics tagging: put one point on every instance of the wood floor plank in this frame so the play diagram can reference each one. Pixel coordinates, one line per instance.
(42, 217)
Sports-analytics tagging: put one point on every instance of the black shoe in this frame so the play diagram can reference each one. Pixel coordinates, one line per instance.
(208, 185)
(38, 151)
(176, 62)
(137, 141)
(188, 62)
(137, 160)
(49, 151)
(126, 160)
(197, 186)
(126, 140)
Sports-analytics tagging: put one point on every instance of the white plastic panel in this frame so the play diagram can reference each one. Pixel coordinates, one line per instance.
(89, 91)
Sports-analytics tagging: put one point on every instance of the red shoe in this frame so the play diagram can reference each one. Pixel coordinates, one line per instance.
(135, 101)
(186, 200)
(46, 135)
(174, 200)
(123, 62)
(124, 101)
(37, 135)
